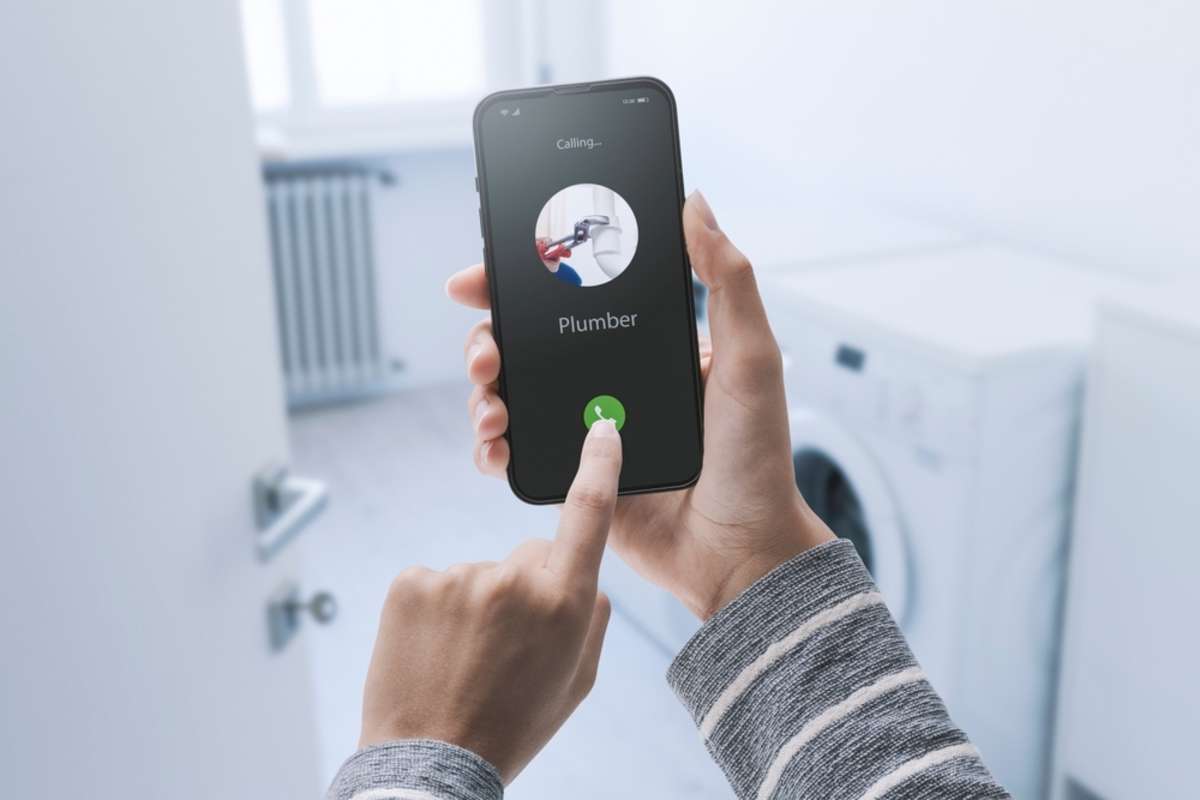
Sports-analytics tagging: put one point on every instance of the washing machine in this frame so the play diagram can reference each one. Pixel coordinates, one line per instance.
(934, 406)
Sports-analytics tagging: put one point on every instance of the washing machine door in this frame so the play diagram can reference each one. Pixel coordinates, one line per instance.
(847, 488)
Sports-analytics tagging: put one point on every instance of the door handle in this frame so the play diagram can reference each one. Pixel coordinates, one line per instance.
(283, 505)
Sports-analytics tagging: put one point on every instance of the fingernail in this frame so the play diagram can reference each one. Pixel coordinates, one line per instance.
(446, 285)
(705, 210)
(473, 353)
(603, 428)
(480, 409)
(483, 452)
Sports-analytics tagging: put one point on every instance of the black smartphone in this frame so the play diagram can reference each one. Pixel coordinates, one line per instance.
(581, 201)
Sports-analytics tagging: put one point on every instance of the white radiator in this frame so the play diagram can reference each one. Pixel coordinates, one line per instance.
(325, 280)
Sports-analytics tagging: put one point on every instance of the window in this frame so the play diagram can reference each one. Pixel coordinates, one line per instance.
(374, 51)
(337, 77)
(266, 54)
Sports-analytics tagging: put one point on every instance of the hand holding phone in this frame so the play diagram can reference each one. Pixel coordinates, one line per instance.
(744, 516)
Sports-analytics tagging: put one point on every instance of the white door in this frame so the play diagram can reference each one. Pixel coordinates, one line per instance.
(139, 393)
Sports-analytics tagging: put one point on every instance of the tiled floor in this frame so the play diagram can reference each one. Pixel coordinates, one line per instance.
(404, 491)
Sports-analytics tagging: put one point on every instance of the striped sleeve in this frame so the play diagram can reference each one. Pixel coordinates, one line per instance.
(416, 769)
(804, 687)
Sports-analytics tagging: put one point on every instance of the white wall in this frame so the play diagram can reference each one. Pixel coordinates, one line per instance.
(427, 227)
(1069, 126)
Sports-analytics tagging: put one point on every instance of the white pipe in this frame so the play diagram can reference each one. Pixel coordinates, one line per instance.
(606, 239)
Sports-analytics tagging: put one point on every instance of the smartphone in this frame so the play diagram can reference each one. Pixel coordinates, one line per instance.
(581, 201)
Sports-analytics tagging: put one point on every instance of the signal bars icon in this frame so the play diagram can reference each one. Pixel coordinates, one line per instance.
(504, 112)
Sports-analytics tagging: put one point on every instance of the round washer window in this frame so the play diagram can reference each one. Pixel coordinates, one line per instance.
(831, 495)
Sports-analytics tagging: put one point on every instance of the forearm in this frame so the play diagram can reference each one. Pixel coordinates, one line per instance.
(804, 687)
(416, 770)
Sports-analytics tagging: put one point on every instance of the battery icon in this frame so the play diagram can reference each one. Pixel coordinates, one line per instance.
(643, 99)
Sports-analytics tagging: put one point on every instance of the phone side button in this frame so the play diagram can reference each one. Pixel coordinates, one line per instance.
(481, 223)
(476, 184)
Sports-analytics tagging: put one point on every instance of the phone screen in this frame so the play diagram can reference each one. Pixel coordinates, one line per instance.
(581, 202)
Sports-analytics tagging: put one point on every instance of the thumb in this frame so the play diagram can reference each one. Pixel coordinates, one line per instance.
(741, 336)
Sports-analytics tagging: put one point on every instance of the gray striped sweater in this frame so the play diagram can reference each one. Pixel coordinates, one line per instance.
(802, 687)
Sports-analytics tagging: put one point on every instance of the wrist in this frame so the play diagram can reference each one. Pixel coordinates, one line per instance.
(802, 531)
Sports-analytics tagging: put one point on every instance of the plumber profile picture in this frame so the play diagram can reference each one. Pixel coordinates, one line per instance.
(585, 235)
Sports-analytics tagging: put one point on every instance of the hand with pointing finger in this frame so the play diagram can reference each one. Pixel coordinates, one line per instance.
(744, 516)
(493, 657)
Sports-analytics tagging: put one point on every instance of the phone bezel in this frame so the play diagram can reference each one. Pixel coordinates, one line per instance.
(485, 224)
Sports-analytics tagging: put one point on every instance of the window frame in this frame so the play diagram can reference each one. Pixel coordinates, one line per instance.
(519, 50)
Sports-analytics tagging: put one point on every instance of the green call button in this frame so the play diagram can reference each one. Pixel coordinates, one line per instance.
(604, 406)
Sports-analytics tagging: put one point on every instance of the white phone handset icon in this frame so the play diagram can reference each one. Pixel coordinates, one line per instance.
(600, 415)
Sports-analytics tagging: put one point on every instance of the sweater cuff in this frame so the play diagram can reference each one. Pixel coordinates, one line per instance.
(792, 593)
(416, 769)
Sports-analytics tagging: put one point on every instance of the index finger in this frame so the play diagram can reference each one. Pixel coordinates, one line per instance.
(587, 513)
(469, 287)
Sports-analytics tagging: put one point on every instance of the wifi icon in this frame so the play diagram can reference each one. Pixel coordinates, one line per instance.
(504, 112)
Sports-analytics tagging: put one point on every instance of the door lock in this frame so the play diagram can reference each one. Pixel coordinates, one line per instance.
(286, 609)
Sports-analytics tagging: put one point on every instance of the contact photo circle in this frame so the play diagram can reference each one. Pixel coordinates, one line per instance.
(585, 235)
